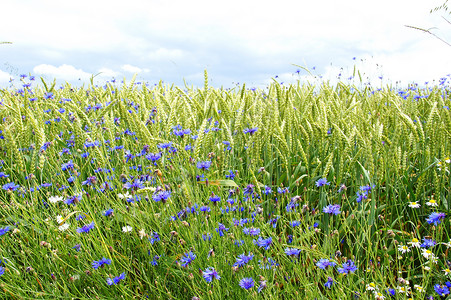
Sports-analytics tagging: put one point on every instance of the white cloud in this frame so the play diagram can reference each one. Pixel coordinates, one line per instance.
(131, 69)
(64, 72)
(4, 77)
(108, 73)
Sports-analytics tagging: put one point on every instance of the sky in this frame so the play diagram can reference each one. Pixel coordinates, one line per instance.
(245, 41)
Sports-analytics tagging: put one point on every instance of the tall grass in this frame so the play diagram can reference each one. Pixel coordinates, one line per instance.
(276, 158)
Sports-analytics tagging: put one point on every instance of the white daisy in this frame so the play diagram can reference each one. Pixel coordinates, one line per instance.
(142, 233)
(403, 289)
(414, 204)
(419, 288)
(64, 227)
(432, 202)
(403, 249)
(427, 254)
(127, 228)
(59, 219)
(371, 286)
(124, 196)
(415, 243)
(55, 199)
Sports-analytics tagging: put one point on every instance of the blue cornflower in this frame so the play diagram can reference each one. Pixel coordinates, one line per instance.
(204, 165)
(248, 190)
(116, 279)
(347, 267)
(329, 283)
(67, 166)
(322, 182)
(227, 143)
(161, 196)
(86, 228)
(48, 95)
(73, 199)
(292, 251)
(10, 186)
(251, 131)
(442, 290)
(251, 231)
(361, 196)
(265, 243)
(243, 259)
(434, 218)
(4, 230)
(324, 263)
(77, 247)
(187, 258)
(108, 212)
(221, 228)
(206, 237)
(267, 190)
(214, 198)
(427, 243)
(295, 223)
(137, 184)
(273, 222)
(246, 283)
(205, 209)
(155, 237)
(2, 271)
(391, 291)
(332, 209)
(3, 175)
(209, 274)
(231, 175)
(153, 157)
(101, 263)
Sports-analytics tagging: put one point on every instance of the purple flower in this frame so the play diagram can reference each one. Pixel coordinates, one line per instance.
(332, 209)
(324, 263)
(204, 165)
(10, 186)
(243, 259)
(115, 280)
(187, 258)
(67, 166)
(251, 231)
(246, 283)
(86, 228)
(265, 243)
(137, 184)
(101, 263)
(221, 228)
(442, 290)
(434, 218)
(161, 196)
(209, 274)
(322, 182)
(214, 198)
(427, 243)
(4, 230)
(329, 283)
(347, 267)
(292, 251)
(108, 212)
(251, 131)
(361, 196)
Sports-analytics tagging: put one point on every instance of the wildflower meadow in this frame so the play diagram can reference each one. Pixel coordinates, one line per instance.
(130, 190)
